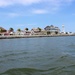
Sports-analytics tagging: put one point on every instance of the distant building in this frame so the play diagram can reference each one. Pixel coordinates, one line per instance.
(27, 32)
(19, 32)
(35, 31)
(52, 29)
(2, 29)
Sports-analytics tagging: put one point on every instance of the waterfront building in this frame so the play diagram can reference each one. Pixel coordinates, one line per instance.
(19, 32)
(52, 29)
(27, 32)
(2, 29)
(35, 31)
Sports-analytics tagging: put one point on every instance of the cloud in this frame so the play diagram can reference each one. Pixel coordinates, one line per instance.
(10, 14)
(35, 6)
(39, 11)
(51, 6)
(29, 2)
(13, 14)
(4, 3)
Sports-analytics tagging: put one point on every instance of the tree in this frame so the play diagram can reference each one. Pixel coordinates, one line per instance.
(66, 32)
(56, 32)
(19, 30)
(48, 32)
(39, 29)
(11, 29)
(1, 30)
(26, 29)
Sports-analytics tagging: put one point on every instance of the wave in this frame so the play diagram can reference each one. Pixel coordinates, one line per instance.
(71, 47)
(68, 70)
(12, 54)
(22, 71)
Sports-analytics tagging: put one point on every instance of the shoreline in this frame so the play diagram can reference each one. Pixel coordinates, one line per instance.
(31, 36)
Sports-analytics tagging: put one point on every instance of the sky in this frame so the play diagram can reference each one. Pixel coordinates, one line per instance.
(37, 13)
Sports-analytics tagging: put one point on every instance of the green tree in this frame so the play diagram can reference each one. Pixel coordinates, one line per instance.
(56, 32)
(11, 29)
(26, 29)
(48, 32)
(19, 30)
(1, 30)
(66, 32)
(39, 29)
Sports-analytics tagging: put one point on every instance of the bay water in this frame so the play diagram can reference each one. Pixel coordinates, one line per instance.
(38, 56)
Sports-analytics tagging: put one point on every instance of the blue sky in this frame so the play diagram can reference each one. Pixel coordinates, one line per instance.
(37, 13)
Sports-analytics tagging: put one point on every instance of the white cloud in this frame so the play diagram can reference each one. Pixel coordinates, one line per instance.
(13, 14)
(12, 2)
(39, 11)
(29, 2)
(10, 14)
(42, 7)
(51, 6)
(4, 3)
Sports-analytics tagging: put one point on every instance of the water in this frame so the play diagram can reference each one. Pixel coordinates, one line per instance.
(38, 56)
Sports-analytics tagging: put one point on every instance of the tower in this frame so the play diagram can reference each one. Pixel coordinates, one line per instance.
(63, 28)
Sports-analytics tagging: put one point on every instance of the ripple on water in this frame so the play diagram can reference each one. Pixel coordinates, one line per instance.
(69, 70)
(12, 54)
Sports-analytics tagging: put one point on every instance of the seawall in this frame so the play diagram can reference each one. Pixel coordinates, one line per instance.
(31, 36)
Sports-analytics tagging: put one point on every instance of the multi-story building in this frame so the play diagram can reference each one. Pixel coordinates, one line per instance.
(52, 29)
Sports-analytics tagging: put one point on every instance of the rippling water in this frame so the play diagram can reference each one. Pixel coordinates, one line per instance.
(38, 56)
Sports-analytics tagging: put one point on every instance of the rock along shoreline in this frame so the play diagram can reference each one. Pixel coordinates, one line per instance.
(31, 36)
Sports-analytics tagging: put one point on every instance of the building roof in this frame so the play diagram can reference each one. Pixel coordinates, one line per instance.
(3, 28)
(51, 27)
(35, 29)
